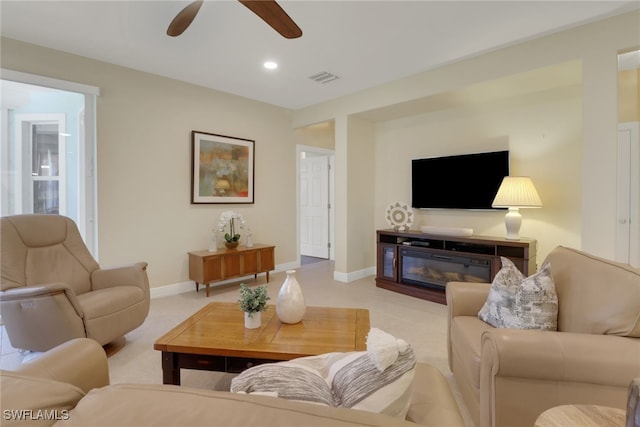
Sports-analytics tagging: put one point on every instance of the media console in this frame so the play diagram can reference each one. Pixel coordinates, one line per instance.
(420, 264)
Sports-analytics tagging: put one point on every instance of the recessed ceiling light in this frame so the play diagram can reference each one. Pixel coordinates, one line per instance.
(270, 65)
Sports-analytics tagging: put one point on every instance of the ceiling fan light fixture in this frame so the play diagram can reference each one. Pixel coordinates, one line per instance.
(267, 10)
(270, 65)
(273, 14)
(183, 19)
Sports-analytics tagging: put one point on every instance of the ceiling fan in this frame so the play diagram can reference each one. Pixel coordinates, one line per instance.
(268, 10)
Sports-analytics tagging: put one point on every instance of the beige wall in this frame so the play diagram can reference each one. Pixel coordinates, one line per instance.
(542, 132)
(321, 135)
(360, 199)
(144, 161)
(583, 190)
(629, 95)
(354, 199)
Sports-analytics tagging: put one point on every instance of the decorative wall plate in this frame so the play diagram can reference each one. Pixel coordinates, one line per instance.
(399, 216)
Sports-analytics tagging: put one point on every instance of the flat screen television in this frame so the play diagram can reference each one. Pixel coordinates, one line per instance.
(468, 181)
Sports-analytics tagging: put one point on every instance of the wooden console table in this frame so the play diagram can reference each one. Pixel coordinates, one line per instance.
(206, 267)
(421, 264)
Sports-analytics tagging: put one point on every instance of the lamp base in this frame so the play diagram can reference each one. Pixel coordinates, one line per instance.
(512, 221)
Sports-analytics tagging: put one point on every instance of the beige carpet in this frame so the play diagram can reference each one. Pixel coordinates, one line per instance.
(419, 322)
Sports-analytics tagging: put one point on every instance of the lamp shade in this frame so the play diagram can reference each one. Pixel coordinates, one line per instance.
(517, 192)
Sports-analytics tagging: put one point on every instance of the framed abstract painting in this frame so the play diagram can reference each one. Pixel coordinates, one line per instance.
(222, 168)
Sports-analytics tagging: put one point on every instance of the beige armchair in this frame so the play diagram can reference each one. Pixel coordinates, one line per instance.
(52, 290)
(508, 377)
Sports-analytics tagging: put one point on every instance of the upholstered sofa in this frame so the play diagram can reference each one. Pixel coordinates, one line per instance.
(69, 386)
(53, 290)
(507, 377)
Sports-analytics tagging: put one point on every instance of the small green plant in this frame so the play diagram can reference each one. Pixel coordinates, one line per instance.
(253, 300)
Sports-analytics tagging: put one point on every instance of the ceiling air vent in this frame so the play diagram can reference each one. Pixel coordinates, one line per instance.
(324, 77)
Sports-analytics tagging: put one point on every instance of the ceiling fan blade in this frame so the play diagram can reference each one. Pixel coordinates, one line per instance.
(271, 13)
(184, 18)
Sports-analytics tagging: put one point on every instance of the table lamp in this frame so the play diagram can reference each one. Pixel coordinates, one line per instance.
(514, 193)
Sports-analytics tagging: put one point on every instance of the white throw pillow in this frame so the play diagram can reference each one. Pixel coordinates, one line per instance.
(384, 348)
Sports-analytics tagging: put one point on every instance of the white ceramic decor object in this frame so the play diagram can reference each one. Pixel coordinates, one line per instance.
(290, 305)
(249, 239)
(213, 244)
(252, 322)
(399, 216)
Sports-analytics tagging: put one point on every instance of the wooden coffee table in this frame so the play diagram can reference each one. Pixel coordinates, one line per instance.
(215, 338)
(582, 415)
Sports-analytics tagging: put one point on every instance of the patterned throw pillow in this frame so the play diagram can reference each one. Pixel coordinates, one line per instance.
(357, 383)
(286, 380)
(537, 301)
(498, 309)
(348, 380)
(520, 302)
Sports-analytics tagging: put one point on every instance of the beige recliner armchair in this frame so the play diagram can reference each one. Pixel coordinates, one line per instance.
(53, 290)
(508, 377)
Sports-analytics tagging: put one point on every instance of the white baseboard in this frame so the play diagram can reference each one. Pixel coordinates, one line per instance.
(354, 275)
(173, 289)
(179, 288)
(288, 266)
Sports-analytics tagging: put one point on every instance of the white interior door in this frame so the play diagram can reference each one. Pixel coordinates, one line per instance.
(314, 206)
(628, 194)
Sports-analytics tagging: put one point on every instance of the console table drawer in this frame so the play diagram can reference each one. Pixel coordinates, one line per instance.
(250, 262)
(212, 268)
(267, 261)
(231, 265)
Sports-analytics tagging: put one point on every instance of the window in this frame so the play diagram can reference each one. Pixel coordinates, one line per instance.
(47, 150)
(41, 141)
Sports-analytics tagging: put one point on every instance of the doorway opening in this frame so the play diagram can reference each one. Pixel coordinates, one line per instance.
(628, 159)
(315, 203)
(47, 150)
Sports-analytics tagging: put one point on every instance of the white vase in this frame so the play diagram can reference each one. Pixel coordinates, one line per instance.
(252, 322)
(213, 244)
(290, 305)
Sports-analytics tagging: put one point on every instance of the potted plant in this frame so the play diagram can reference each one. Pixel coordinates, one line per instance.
(228, 219)
(253, 301)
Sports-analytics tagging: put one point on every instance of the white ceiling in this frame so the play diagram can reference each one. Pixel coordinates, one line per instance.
(365, 43)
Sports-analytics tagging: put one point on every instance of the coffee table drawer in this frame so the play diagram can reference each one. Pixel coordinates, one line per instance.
(239, 364)
(201, 361)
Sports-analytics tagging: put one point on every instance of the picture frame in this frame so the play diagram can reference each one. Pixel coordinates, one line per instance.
(222, 169)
